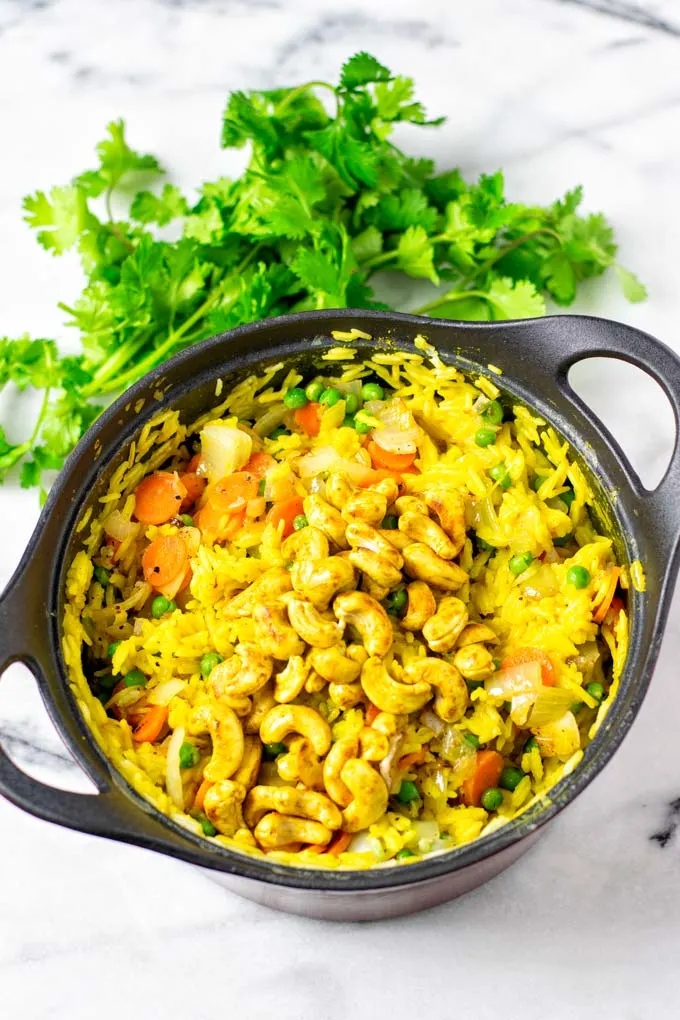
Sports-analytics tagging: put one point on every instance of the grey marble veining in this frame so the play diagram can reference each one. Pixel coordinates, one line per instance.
(587, 926)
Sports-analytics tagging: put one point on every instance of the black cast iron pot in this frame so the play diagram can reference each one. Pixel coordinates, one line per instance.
(535, 357)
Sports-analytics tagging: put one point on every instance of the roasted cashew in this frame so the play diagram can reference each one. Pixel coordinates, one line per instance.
(475, 662)
(262, 701)
(319, 580)
(357, 653)
(282, 720)
(389, 694)
(452, 693)
(300, 763)
(377, 568)
(334, 665)
(413, 504)
(245, 672)
(269, 586)
(223, 806)
(246, 773)
(395, 537)
(367, 617)
(290, 681)
(444, 628)
(366, 505)
(421, 528)
(363, 536)
(312, 627)
(374, 744)
(315, 683)
(369, 795)
(226, 732)
(477, 633)
(345, 696)
(424, 565)
(306, 544)
(420, 607)
(273, 632)
(326, 518)
(289, 801)
(387, 723)
(341, 752)
(276, 831)
(448, 505)
(379, 592)
(388, 487)
(338, 490)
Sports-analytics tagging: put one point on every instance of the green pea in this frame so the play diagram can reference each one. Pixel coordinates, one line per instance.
(485, 437)
(349, 421)
(314, 390)
(372, 391)
(187, 520)
(102, 575)
(474, 685)
(107, 683)
(565, 540)
(261, 487)
(536, 482)
(568, 497)
(518, 564)
(496, 664)
(397, 601)
(362, 427)
(595, 690)
(473, 740)
(493, 413)
(112, 649)
(135, 678)
(352, 403)
(278, 432)
(390, 523)
(578, 576)
(188, 755)
(576, 707)
(531, 745)
(485, 546)
(408, 792)
(209, 661)
(402, 854)
(160, 606)
(330, 396)
(272, 751)
(207, 826)
(492, 799)
(300, 522)
(510, 778)
(295, 399)
(499, 473)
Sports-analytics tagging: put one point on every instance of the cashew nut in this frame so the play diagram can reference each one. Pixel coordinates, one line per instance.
(319, 580)
(334, 665)
(245, 672)
(246, 773)
(444, 628)
(369, 793)
(424, 565)
(274, 634)
(363, 536)
(420, 607)
(367, 505)
(414, 504)
(377, 568)
(338, 490)
(388, 487)
(222, 806)
(475, 662)
(345, 696)
(395, 537)
(340, 753)
(448, 505)
(367, 617)
(282, 720)
(312, 627)
(326, 518)
(477, 633)
(226, 732)
(452, 697)
(379, 592)
(315, 683)
(262, 701)
(270, 585)
(420, 528)
(357, 653)
(289, 801)
(276, 831)
(300, 763)
(374, 744)
(306, 544)
(290, 681)
(389, 694)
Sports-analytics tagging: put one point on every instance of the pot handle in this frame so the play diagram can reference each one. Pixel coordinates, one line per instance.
(581, 337)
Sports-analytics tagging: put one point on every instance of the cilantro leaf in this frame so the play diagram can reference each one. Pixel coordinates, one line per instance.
(161, 209)
(632, 288)
(515, 300)
(59, 219)
(415, 254)
(362, 69)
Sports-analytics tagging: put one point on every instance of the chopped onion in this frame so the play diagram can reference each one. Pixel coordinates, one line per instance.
(387, 766)
(550, 704)
(224, 449)
(560, 738)
(399, 433)
(541, 584)
(426, 834)
(327, 458)
(173, 774)
(483, 515)
(433, 722)
(458, 752)
(362, 843)
(166, 691)
(524, 678)
(270, 420)
(119, 527)
(126, 698)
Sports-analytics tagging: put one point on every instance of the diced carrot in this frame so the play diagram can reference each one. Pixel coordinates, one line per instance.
(192, 466)
(199, 799)
(152, 725)
(259, 464)
(158, 497)
(218, 525)
(372, 713)
(523, 655)
(233, 492)
(164, 559)
(615, 608)
(390, 461)
(414, 758)
(309, 418)
(286, 510)
(488, 768)
(603, 608)
(255, 508)
(194, 484)
(339, 843)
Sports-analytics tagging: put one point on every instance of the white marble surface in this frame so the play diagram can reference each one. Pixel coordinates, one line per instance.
(556, 92)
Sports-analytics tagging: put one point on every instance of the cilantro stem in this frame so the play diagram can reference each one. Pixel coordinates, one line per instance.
(455, 295)
(112, 224)
(294, 93)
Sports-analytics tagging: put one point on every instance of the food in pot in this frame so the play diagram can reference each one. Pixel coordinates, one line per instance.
(347, 619)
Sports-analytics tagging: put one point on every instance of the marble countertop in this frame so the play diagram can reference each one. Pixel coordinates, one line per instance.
(556, 92)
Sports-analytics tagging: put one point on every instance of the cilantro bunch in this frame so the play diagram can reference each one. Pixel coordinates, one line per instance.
(326, 203)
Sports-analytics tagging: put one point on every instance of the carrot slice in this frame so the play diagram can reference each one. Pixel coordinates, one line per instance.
(372, 713)
(309, 418)
(603, 608)
(164, 559)
(523, 655)
(194, 484)
(390, 461)
(199, 799)
(192, 466)
(615, 608)
(233, 492)
(488, 768)
(259, 464)
(286, 510)
(339, 843)
(414, 758)
(152, 725)
(158, 497)
(218, 525)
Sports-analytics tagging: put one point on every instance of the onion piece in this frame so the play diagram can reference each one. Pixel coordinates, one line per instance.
(458, 752)
(173, 774)
(560, 738)
(166, 691)
(550, 704)
(118, 527)
(327, 458)
(387, 767)
(224, 449)
(270, 420)
(427, 833)
(126, 698)
(362, 843)
(399, 433)
(524, 678)
(433, 722)
(541, 584)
